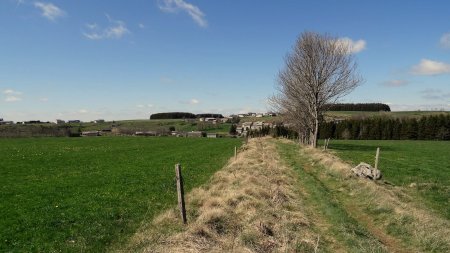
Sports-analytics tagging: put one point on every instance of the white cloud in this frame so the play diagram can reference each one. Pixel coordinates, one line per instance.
(144, 106)
(422, 107)
(445, 41)
(142, 26)
(12, 95)
(192, 101)
(82, 111)
(395, 83)
(174, 6)
(49, 10)
(354, 46)
(12, 98)
(43, 99)
(435, 94)
(11, 92)
(429, 67)
(116, 30)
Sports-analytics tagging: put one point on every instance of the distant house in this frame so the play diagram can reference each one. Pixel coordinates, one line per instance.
(33, 122)
(195, 134)
(212, 135)
(60, 121)
(147, 133)
(74, 121)
(3, 122)
(91, 133)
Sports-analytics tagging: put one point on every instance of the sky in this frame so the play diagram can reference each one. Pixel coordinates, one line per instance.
(117, 59)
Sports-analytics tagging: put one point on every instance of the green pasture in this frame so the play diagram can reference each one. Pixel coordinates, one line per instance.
(91, 194)
(421, 167)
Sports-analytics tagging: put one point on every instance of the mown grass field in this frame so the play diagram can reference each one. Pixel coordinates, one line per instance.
(91, 194)
(425, 164)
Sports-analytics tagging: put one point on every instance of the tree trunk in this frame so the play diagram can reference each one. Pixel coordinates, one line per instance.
(316, 133)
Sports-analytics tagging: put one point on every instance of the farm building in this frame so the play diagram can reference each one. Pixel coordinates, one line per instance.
(2, 122)
(195, 134)
(212, 135)
(74, 121)
(91, 133)
(60, 121)
(147, 133)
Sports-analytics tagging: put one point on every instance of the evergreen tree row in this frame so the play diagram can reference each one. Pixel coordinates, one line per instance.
(371, 107)
(183, 115)
(381, 128)
(173, 115)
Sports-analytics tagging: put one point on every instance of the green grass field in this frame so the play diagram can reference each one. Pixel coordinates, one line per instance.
(425, 163)
(154, 125)
(90, 194)
(395, 114)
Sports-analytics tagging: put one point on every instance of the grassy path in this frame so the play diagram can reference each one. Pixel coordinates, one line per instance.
(341, 230)
(277, 197)
(362, 215)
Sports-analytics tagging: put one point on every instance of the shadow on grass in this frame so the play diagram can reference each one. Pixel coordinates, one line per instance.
(358, 147)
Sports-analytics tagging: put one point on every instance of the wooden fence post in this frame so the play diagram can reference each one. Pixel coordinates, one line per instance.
(235, 152)
(180, 191)
(376, 158)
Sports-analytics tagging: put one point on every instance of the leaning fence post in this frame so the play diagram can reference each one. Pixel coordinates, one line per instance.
(180, 191)
(376, 158)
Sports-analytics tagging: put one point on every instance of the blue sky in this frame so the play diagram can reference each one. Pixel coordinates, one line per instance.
(116, 59)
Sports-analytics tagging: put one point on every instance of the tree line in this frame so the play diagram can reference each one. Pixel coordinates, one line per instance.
(369, 107)
(435, 127)
(12, 131)
(183, 115)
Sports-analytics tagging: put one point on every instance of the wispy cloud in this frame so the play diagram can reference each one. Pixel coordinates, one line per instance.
(11, 92)
(445, 41)
(174, 6)
(423, 107)
(395, 83)
(12, 95)
(43, 99)
(192, 101)
(435, 94)
(145, 106)
(354, 46)
(49, 10)
(12, 98)
(142, 26)
(429, 67)
(116, 30)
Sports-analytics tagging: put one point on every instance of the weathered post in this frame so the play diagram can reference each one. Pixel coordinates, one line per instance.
(235, 152)
(180, 191)
(376, 158)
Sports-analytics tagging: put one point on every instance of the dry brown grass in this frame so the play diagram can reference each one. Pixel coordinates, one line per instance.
(384, 207)
(251, 205)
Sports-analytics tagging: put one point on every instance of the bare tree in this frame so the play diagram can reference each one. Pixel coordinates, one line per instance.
(319, 71)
